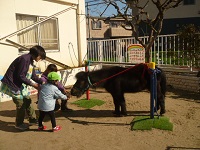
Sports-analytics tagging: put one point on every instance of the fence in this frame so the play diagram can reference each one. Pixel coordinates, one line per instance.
(163, 52)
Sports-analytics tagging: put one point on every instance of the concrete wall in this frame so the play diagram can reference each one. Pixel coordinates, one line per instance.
(184, 82)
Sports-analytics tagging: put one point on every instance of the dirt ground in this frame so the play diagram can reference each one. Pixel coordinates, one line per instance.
(97, 129)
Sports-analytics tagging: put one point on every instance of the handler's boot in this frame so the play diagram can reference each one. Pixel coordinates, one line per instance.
(64, 106)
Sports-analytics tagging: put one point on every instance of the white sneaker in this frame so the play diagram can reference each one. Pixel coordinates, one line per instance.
(22, 127)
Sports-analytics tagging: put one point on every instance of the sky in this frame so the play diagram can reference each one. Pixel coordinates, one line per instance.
(96, 7)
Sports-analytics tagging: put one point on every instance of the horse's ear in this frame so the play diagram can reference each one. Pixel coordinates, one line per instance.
(81, 75)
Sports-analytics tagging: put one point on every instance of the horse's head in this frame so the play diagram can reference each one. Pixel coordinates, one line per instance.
(82, 84)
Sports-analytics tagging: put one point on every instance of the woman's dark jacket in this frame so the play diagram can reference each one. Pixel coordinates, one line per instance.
(16, 73)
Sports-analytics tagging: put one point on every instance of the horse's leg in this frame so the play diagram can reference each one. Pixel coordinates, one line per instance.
(162, 105)
(123, 105)
(160, 99)
(117, 106)
(119, 102)
(115, 90)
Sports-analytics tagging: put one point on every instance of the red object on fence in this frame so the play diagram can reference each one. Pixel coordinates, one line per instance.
(87, 92)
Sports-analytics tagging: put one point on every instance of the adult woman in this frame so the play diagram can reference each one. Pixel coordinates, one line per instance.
(16, 80)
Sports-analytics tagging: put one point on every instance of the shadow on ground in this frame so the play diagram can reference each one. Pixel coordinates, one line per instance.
(183, 94)
(181, 148)
(71, 115)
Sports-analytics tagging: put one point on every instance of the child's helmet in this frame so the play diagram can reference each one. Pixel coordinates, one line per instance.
(53, 76)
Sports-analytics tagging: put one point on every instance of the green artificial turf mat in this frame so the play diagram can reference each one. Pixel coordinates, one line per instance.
(88, 103)
(145, 123)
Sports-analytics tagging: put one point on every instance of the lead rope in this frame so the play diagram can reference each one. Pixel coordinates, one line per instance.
(95, 84)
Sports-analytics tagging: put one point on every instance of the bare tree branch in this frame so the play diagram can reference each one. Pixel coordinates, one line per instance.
(134, 13)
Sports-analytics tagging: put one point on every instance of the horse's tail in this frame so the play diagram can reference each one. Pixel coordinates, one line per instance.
(163, 87)
(163, 82)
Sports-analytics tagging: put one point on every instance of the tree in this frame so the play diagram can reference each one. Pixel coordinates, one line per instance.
(189, 43)
(135, 13)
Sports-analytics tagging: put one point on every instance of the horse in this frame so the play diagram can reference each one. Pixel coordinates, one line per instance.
(119, 80)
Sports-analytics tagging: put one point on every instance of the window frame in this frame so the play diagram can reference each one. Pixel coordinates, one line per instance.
(96, 25)
(37, 34)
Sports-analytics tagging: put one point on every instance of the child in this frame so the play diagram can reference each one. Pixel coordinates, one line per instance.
(47, 97)
(50, 68)
(15, 83)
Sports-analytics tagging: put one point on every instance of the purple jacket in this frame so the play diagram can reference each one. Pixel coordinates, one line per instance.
(16, 73)
(60, 86)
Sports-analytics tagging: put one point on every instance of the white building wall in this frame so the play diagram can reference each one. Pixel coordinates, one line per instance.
(72, 33)
(8, 25)
(70, 43)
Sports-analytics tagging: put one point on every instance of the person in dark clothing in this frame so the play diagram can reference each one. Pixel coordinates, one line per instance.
(15, 83)
(53, 68)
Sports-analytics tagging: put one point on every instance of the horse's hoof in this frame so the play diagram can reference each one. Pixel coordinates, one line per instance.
(114, 112)
(162, 112)
(120, 115)
(124, 114)
(117, 115)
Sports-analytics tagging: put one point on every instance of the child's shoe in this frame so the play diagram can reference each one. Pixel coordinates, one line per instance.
(42, 128)
(57, 128)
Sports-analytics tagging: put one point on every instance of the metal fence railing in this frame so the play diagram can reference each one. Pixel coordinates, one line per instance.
(163, 52)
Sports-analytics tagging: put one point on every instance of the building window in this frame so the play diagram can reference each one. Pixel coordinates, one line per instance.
(188, 2)
(114, 24)
(44, 34)
(96, 24)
